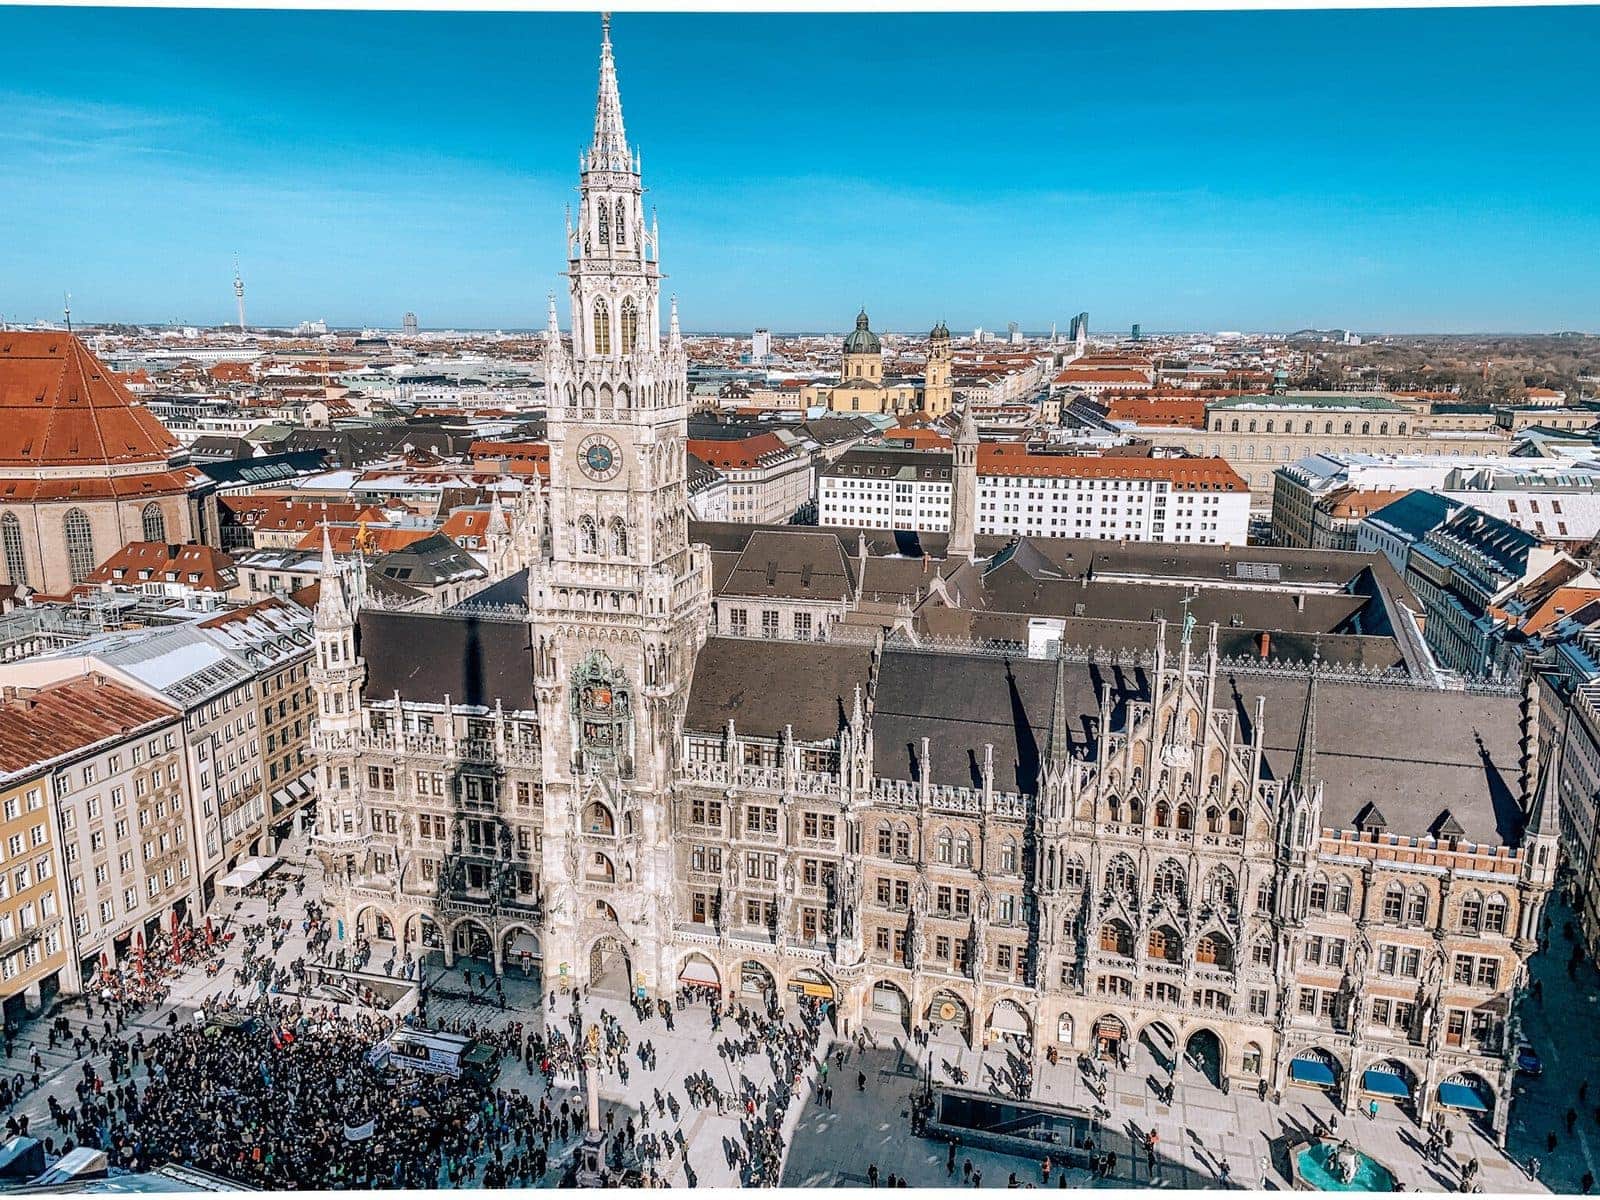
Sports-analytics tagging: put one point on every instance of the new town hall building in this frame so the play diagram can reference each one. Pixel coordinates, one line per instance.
(1279, 871)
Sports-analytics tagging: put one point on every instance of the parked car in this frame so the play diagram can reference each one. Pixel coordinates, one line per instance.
(1528, 1060)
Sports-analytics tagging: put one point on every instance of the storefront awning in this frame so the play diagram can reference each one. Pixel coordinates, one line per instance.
(1459, 1095)
(241, 876)
(698, 971)
(1385, 1083)
(1311, 1071)
(1008, 1020)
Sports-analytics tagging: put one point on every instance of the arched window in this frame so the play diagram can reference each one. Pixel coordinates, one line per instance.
(1220, 890)
(1164, 944)
(1116, 938)
(1366, 428)
(1064, 1029)
(619, 538)
(1215, 950)
(630, 325)
(1169, 880)
(1235, 822)
(16, 561)
(1233, 425)
(1340, 903)
(605, 223)
(1185, 816)
(1494, 914)
(154, 522)
(602, 328)
(1347, 427)
(964, 851)
(1394, 903)
(1072, 872)
(622, 224)
(588, 536)
(1121, 877)
(1327, 427)
(885, 840)
(943, 846)
(1383, 427)
(1472, 913)
(1008, 855)
(902, 840)
(1417, 908)
(80, 544)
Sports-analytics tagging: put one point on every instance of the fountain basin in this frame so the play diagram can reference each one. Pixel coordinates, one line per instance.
(1315, 1168)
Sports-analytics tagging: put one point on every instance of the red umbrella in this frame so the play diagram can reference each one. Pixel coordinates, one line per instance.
(209, 934)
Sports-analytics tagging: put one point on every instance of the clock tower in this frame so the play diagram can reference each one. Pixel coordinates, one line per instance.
(619, 608)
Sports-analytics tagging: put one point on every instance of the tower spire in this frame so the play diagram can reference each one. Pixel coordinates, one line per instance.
(1305, 752)
(1060, 733)
(610, 149)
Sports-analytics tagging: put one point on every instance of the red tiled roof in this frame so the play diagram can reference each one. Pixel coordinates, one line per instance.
(735, 453)
(153, 483)
(1167, 411)
(214, 568)
(379, 539)
(60, 406)
(1009, 458)
(40, 725)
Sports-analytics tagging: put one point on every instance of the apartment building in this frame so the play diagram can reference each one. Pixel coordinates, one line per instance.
(108, 825)
(1040, 495)
(768, 479)
(35, 943)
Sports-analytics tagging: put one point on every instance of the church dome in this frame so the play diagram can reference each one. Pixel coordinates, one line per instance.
(862, 340)
(940, 333)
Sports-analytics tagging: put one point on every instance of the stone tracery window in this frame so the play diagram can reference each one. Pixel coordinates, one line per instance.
(602, 327)
(154, 523)
(16, 560)
(630, 326)
(80, 544)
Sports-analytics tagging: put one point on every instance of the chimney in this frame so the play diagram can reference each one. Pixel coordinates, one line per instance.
(1266, 645)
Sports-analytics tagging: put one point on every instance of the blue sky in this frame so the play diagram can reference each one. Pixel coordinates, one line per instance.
(1402, 170)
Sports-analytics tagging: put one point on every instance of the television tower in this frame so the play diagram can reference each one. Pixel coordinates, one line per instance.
(238, 291)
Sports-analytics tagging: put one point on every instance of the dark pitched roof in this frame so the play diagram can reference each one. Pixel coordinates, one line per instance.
(960, 703)
(426, 657)
(791, 564)
(1408, 753)
(763, 686)
(432, 560)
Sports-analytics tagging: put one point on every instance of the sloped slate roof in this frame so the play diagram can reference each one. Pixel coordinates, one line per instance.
(960, 703)
(764, 686)
(426, 657)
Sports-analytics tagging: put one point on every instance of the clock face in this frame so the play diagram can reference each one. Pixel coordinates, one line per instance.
(599, 458)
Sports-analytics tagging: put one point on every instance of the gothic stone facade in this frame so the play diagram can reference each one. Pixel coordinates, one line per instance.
(1277, 878)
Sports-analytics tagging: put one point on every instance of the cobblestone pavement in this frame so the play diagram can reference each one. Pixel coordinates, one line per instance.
(834, 1145)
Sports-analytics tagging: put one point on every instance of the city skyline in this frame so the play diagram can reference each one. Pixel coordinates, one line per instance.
(1168, 186)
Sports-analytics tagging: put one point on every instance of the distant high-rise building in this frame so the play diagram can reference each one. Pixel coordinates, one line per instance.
(1136, 331)
(760, 347)
(408, 324)
(1081, 336)
(1013, 334)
